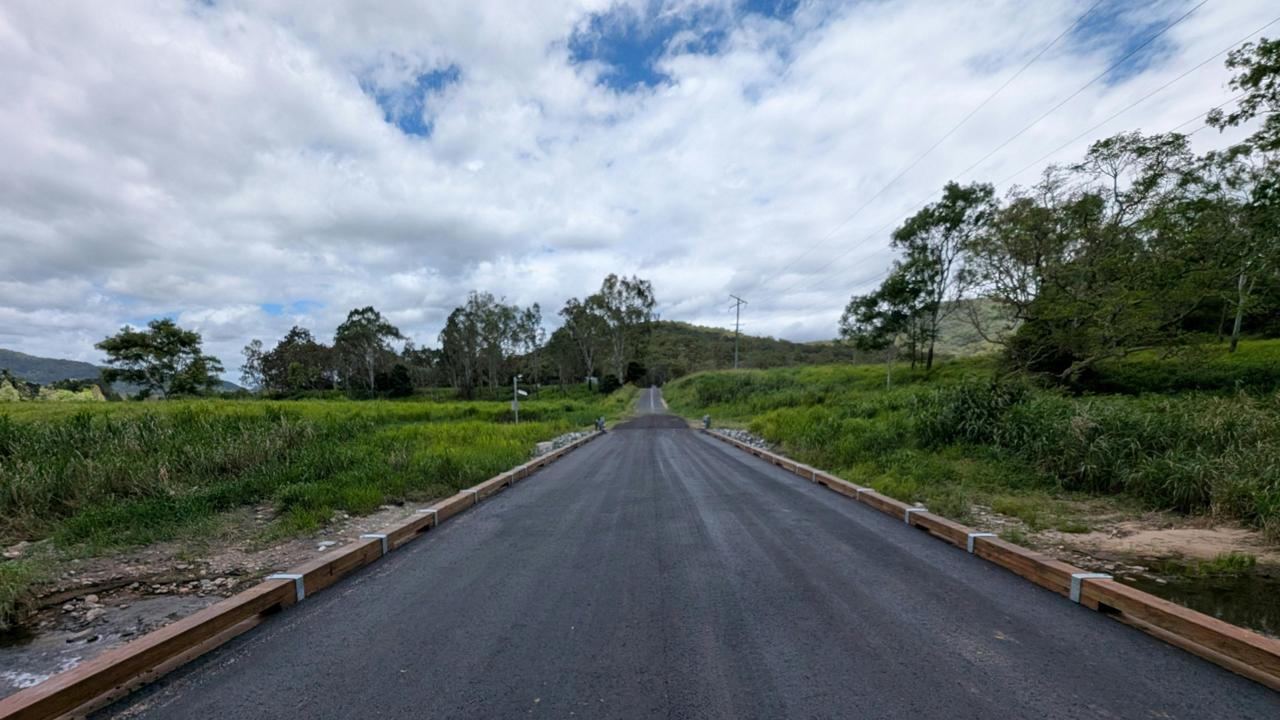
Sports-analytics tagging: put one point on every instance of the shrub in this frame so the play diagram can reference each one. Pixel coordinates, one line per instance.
(971, 411)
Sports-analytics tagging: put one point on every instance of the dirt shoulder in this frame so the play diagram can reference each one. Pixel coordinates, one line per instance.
(93, 604)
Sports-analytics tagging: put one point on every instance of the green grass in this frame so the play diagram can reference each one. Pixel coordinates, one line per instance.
(1229, 565)
(99, 477)
(967, 435)
(16, 577)
(1254, 367)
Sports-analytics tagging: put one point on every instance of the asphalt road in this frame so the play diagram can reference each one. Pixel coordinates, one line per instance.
(659, 573)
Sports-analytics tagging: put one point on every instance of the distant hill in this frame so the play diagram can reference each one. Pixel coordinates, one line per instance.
(42, 371)
(679, 348)
(958, 338)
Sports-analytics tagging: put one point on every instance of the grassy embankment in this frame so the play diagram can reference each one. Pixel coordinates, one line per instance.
(1197, 434)
(88, 479)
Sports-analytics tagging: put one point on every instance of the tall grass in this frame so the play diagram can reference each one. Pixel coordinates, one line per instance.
(962, 436)
(124, 474)
(128, 474)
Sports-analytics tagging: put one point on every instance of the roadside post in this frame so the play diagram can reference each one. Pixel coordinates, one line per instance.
(516, 394)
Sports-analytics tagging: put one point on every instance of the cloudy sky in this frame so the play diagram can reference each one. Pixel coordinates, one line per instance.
(246, 166)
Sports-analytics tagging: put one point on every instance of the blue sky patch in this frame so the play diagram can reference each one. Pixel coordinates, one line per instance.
(780, 9)
(297, 307)
(1119, 27)
(405, 106)
(630, 44)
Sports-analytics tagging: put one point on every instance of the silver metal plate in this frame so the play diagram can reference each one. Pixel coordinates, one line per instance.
(906, 516)
(299, 589)
(379, 536)
(974, 535)
(1077, 581)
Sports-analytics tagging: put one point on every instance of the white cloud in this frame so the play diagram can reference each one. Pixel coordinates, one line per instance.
(201, 161)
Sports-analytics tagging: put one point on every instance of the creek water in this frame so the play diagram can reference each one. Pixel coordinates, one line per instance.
(1251, 600)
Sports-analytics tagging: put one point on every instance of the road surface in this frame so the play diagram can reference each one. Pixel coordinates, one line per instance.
(659, 573)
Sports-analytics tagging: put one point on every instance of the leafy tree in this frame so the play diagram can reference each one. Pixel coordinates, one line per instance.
(424, 365)
(626, 306)
(460, 345)
(1258, 77)
(480, 341)
(296, 364)
(363, 343)
(881, 320)
(530, 339)
(565, 357)
(1097, 260)
(1249, 172)
(251, 370)
(585, 323)
(396, 382)
(932, 242)
(163, 358)
(498, 336)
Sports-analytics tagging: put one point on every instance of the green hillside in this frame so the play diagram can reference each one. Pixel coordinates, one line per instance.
(43, 371)
(676, 349)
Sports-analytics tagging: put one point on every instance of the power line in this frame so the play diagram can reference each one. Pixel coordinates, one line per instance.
(937, 143)
(1111, 68)
(1206, 112)
(1039, 119)
(1141, 100)
(885, 273)
(1114, 66)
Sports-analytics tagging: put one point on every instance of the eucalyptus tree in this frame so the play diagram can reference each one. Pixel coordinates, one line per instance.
(626, 305)
(363, 344)
(932, 242)
(1249, 171)
(585, 324)
(881, 321)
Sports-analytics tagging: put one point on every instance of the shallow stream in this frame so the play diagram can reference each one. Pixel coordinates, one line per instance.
(1251, 600)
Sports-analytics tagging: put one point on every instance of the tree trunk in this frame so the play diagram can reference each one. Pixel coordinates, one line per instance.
(888, 374)
(1235, 330)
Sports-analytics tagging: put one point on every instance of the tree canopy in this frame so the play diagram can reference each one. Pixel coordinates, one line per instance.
(163, 358)
(1141, 244)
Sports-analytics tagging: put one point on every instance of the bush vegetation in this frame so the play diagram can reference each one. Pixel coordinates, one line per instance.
(122, 474)
(967, 434)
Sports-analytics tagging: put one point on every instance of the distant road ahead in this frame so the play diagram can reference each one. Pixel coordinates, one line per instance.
(660, 573)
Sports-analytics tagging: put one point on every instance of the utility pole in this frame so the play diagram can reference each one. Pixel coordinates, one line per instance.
(737, 323)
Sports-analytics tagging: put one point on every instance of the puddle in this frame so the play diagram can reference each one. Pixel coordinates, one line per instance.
(1246, 600)
(32, 657)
